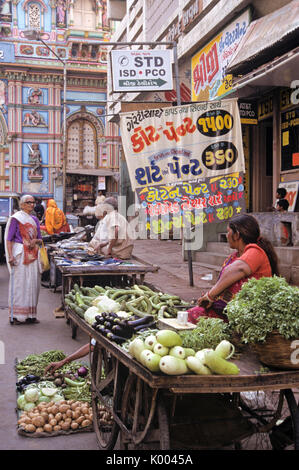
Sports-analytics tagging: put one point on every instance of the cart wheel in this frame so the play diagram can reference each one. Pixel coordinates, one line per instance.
(264, 409)
(143, 412)
(106, 390)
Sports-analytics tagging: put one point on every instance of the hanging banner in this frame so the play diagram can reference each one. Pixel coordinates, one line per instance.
(182, 143)
(192, 204)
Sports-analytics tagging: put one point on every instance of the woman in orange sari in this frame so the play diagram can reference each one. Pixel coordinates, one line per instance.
(55, 220)
(254, 257)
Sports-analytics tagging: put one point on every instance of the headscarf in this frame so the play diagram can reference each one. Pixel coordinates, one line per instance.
(55, 218)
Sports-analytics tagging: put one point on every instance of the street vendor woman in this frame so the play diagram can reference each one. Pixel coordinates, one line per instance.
(254, 257)
(113, 237)
(22, 240)
(55, 220)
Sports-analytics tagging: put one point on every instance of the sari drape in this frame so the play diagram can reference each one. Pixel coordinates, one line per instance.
(25, 276)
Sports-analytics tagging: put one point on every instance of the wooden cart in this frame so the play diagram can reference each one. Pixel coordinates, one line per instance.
(156, 411)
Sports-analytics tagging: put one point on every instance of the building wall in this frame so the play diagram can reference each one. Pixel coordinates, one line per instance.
(32, 84)
(195, 26)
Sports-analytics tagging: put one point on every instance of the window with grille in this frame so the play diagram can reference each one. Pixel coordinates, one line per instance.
(34, 16)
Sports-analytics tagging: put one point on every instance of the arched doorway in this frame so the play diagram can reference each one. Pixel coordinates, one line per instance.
(82, 149)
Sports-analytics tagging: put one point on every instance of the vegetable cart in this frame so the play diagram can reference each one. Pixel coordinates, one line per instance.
(157, 411)
(129, 272)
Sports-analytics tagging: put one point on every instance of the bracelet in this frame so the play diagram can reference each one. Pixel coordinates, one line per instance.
(210, 298)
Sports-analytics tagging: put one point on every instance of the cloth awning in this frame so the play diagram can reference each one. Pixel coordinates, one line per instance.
(92, 172)
(280, 72)
(267, 38)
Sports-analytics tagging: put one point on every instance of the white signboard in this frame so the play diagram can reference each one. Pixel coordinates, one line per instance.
(141, 70)
(182, 143)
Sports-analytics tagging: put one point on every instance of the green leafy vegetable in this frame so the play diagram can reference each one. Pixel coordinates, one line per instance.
(209, 332)
(262, 306)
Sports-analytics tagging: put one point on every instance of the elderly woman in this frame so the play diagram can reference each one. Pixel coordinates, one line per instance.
(254, 256)
(113, 237)
(55, 220)
(22, 241)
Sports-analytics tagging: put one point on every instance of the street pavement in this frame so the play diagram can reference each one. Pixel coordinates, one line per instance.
(53, 333)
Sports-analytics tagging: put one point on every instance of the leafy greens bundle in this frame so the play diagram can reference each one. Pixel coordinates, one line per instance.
(262, 306)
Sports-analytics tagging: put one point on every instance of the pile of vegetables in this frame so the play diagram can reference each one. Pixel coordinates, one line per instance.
(139, 300)
(35, 364)
(71, 381)
(163, 352)
(52, 417)
(34, 394)
(208, 333)
(262, 306)
(119, 329)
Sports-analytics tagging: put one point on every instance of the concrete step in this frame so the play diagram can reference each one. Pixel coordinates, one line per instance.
(211, 258)
(219, 247)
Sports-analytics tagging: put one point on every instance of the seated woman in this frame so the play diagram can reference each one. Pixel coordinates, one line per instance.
(254, 257)
(55, 220)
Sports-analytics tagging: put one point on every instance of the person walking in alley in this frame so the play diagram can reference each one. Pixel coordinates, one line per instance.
(22, 241)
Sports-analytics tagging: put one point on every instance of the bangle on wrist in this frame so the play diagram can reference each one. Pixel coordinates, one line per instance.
(209, 297)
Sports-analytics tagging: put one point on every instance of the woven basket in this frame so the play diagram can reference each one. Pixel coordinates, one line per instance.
(276, 351)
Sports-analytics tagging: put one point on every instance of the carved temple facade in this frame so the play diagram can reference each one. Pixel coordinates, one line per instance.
(32, 91)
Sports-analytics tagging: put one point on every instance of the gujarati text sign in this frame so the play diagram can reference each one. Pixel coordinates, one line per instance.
(182, 143)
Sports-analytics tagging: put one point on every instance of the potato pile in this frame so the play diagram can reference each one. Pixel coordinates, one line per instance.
(67, 415)
(105, 417)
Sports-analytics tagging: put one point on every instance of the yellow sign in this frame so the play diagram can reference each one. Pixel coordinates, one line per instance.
(209, 80)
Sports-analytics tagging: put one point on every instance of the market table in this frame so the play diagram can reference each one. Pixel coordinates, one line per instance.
(128, 272)
(167, 410)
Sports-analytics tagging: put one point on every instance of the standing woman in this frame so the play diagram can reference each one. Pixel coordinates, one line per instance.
(22, 240)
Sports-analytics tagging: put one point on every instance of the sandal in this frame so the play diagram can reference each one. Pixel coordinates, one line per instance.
(17, 322)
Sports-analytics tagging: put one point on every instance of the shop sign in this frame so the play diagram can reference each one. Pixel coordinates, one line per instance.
(208, 66)
(248, 112)
(289, 140)
(212, 200)
(285, 99)
(292, 188)
(183, 24)
(141, 70)
(182, 143)
(265, 108)
(101, 183)
(191, 13)
(7, 52)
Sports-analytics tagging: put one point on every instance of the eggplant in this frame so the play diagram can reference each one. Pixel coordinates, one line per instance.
(98, 318)
(145, 326)
(141, 321)
(122, 331)
(115, 338)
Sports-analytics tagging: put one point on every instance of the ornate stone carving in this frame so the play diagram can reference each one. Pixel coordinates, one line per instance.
(35, 159)
(34, 119)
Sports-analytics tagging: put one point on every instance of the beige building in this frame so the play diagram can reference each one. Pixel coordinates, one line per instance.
(201, 28)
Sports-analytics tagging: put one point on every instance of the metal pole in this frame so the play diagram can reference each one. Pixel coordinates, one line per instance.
(64, 138)
(63, 122)
(178, 94)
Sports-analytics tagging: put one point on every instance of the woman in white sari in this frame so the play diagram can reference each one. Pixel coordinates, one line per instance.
(22, 240)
